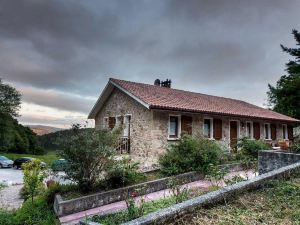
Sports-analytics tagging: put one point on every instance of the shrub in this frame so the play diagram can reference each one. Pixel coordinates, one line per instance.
(88, 152)
(33, 178)
(295, 147)
(190, 154)
(124, 172)
(250, 148)
(216, 175)
(7, 218)
(36, 212)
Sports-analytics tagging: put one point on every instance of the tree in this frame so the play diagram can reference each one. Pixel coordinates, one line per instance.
(285, 96)
(33, 178)
(10, 99)
(88, 152)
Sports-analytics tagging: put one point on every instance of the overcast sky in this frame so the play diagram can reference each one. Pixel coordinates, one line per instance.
(60, 54)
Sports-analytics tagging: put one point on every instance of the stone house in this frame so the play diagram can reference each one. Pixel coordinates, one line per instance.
(154, 116)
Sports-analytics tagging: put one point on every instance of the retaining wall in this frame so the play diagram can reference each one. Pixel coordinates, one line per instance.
(271, 160)
(66, 207)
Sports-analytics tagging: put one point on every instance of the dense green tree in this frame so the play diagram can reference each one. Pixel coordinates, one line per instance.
(10, 99)
(14, 137)
(285, 96)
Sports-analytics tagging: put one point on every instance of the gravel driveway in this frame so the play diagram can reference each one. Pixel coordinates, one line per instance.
(11, 176)
(10, 197)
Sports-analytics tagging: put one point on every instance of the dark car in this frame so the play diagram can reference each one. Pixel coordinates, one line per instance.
(5, 162)
(18, 162)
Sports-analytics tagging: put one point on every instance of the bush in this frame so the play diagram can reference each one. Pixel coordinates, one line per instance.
(36, 212)
(295, 147)
(250, 148)
(7, 218)
(88, 152)
(124, 172)
(33, 178)
(190, 154)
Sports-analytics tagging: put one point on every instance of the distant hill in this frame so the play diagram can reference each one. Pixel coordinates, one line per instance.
(41, 129)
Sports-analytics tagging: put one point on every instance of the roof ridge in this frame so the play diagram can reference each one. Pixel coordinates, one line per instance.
(186, 91)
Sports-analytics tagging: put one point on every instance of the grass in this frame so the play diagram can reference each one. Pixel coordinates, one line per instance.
(36, 213)
(147, 207)
(276, 203)
(47, 158)
(123, 216)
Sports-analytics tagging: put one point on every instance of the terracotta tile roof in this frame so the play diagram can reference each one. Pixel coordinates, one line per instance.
(173, 99)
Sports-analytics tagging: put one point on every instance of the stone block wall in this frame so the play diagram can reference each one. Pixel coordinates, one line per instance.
(272, 160)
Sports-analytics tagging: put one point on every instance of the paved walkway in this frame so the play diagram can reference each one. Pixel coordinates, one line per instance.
(118, 206)
(10, 197)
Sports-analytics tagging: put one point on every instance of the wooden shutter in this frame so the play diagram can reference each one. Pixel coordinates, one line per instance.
(186, 125)
(256, 130)
(273, 131)
(217, 129)
(111, 122)
(290, 133)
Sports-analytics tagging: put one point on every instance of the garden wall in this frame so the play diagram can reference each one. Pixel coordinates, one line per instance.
(66, 207)
(271, 160)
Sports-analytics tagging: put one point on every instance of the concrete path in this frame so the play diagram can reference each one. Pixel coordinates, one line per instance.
(119, 206)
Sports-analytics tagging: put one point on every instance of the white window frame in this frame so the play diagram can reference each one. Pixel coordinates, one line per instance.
(105, 122)
(126, 116)
(211, 127)
(238, 128)
(251, 127)
(179, 127)
(269, 131)
(286, 134)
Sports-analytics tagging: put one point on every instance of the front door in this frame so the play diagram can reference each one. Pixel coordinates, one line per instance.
(233, 134)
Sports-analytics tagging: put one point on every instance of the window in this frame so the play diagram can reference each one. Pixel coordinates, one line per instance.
(267, 131)
(249, 129)
(173, 126)
(284, 132)
(207, 128)
(111, 122)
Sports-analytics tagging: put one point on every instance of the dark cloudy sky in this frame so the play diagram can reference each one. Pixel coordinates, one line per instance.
(60, 54)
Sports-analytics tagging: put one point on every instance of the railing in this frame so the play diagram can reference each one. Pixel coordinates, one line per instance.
(123, 146)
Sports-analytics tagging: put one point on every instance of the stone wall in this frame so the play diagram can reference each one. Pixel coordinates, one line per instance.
(141, 147)
(272, 160)
(66, 207)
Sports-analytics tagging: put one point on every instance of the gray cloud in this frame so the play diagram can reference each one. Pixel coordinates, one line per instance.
(69, 49)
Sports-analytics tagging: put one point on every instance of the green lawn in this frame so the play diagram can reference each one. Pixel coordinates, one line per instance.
(47, 158)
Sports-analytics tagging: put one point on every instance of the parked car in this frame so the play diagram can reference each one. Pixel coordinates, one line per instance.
(5, 162)
(59, 165)
(18, 162)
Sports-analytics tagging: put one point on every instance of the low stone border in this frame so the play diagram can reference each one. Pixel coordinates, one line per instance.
(66, 207)
(175, 211)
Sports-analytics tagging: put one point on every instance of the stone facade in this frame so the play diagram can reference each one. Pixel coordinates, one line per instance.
(149, 128)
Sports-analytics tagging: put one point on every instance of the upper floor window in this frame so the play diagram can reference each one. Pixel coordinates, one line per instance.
(249, 129)
(174, 126)
(284, 132)
(208, 128)
(267, 131)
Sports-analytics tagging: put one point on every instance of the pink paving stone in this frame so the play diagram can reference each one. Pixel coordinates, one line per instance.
(121, 205)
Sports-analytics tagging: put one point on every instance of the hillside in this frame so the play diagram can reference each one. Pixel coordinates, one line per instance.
(41, 130)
